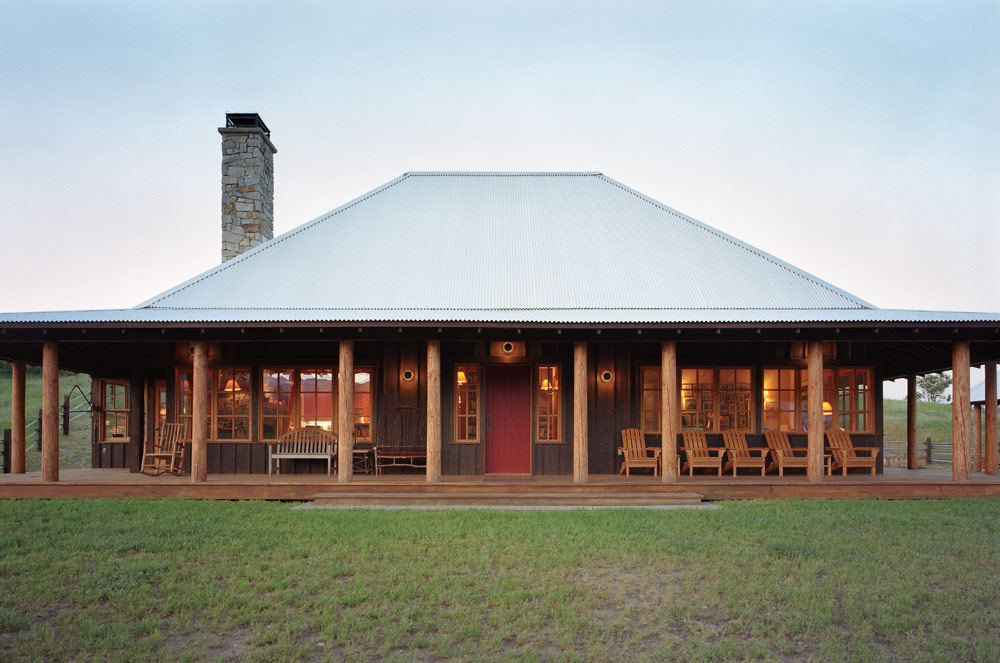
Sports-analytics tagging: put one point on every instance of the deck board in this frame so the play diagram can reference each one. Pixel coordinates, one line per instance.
(116, 483)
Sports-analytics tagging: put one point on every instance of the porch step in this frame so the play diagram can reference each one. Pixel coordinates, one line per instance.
(520, 498)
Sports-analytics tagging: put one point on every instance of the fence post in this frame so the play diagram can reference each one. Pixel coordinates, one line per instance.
(6, 451)
(66, 415)
(929, 450)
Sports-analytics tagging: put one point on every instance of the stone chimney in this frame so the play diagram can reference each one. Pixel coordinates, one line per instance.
(247, 184)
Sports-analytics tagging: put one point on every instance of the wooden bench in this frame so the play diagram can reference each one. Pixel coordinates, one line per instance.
(401, 438)
(303, 444)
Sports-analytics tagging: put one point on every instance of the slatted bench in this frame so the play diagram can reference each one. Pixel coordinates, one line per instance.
(401, 438)
(306, 443)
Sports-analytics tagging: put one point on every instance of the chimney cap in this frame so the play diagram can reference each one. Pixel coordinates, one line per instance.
(247, 120)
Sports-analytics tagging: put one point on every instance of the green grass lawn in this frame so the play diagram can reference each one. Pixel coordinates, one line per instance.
(74, 449)
(133, 580)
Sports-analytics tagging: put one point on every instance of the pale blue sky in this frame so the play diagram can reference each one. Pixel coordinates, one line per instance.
(859, 141)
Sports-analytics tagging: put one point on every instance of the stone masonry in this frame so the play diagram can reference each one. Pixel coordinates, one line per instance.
(247, 189)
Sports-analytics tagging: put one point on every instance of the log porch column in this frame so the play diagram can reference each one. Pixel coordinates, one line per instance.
(977, 435)
(17, 418)
(433, 411)
(345, 413)
(50, 411)
(991, 417)
(961, 430)
(668, 410)
(580, 461)
(911, 422)
(814, 452)
(199, 413)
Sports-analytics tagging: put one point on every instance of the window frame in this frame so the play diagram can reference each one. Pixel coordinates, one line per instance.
(296, 415)
(213, 390)
(559, 416)
(831, 396)
(468, 366)
(123, 411)
(716, 401)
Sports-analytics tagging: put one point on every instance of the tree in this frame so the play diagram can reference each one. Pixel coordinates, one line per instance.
(931, 387)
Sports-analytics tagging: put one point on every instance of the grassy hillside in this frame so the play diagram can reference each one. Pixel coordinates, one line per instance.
(933, 420)
(74, 449)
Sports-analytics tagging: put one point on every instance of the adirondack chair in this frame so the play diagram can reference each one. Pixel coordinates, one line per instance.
(636, 453)
(784, 454)
(166, 453)
(698, 454)
(741, 455)
(310, 442)
(401, 439)
(845, 453)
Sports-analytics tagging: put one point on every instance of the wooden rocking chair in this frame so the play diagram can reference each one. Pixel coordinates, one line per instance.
(698, 454)
(636, 453)
(845, 453)
(741, 455)
(166, 454)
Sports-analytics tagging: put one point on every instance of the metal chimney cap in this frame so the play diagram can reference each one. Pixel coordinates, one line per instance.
(248, 121)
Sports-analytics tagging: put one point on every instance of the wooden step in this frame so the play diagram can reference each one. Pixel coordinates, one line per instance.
(520, 498)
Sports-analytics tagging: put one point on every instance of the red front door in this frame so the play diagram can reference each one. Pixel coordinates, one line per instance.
(508, 419)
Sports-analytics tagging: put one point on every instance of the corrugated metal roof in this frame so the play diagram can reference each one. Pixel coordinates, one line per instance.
(489, 241)
(978, 391)
(572, 248)
(544, 316)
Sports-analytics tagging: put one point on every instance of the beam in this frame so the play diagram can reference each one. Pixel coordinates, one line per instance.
(345, 413)
(991, 417)
(668, 410)
(977, 435)
(50, 411)
(17, 417)
(961, 429)
(814, 453)
(580, 462)
(199, 413)
(911, 422)
(136, 420)
(433, 411)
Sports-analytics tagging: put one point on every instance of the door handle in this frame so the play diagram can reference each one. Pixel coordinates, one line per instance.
(488, 421)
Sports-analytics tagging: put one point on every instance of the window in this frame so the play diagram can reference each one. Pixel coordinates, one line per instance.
(316, 396)
(846, 399)
(735, 399)
(697, 399)
(276, 408)
(229, 403)
(114, 410)
(548, 411)
(363, 404)
(467, 404)
(232, 404)
(650, 399)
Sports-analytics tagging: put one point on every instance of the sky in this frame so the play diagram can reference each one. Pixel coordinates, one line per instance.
(859, 141)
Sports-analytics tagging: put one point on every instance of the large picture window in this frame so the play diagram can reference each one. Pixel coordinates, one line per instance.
(846, 399)
(114, 410)
(467, 404)
(299, 397)
(548, 405)
(229, 403)
(712, 399)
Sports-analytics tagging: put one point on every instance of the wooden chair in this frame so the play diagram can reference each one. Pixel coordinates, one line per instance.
(845, 453)
(784, 454)
(697, 453)
(166, 453)
(310, 442)
(741, 455)
(636, 453)
(401, 439)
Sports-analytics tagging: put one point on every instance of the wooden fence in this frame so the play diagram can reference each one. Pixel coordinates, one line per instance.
(927, 452)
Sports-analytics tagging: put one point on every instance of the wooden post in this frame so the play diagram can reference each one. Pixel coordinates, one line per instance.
(433, 411)
(961, 430)
(930, 450)
(977, 435)
(668, 410)
(814, 452)
(911, 422)
(199, 413)
(991, 418)
(580, 462)
(345, 413)
(136, 423)
(17, 418)
(50, 411)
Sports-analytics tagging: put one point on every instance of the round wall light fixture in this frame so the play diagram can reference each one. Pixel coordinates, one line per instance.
(408, 375)
(607, 376)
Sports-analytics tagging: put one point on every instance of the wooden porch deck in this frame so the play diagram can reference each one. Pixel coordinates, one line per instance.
(117, 483)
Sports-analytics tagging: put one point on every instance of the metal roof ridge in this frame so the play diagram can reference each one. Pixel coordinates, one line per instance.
(503, 173)
(859, 303)
(266, 245)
